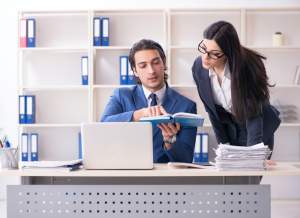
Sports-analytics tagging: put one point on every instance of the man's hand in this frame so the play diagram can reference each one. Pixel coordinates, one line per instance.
(168, 130)
(148, 112)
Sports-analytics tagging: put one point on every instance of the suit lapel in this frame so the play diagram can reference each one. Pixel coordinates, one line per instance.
(205, 90)
(139, 98)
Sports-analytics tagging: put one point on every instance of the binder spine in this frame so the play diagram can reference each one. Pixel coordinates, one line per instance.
(197, 152)
(123, 70)
(30, 111)
(97, 33)
(30, 33)
(22, 109)
(131, 76)
(84, 70)
(105, 31)
(34, 146)
(23, 33)
(24, 147)
(205, 147)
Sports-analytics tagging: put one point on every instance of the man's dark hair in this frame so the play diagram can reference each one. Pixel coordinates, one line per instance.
(146, 44)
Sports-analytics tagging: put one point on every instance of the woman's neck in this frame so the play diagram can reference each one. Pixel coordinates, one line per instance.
(220, 67)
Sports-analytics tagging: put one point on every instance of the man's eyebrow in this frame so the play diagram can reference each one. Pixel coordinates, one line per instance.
(146, 62)
(211, 50)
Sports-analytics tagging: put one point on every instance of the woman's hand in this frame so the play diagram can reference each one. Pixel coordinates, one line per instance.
(271, 163)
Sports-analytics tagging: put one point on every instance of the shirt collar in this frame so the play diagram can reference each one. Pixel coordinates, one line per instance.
(226, 71)
(159, 94)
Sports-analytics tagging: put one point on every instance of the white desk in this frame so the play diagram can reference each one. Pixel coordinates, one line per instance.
(161, 192)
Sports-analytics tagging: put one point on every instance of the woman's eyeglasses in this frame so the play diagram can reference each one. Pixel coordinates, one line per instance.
(211, 55)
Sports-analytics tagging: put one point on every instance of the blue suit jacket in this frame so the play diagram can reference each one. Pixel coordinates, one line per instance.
(258, 129)
(124, 101)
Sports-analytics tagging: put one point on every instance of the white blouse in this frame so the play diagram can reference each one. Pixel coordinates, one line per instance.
(221, 94)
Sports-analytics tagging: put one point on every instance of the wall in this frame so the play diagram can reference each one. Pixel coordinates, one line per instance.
(9, 42)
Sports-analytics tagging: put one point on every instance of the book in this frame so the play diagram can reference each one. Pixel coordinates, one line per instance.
(65, 168)
(185, 119)
(51, 165)
(297, 76)
(192, 165)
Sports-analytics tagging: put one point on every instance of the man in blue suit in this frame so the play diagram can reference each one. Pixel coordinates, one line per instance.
(153, 97)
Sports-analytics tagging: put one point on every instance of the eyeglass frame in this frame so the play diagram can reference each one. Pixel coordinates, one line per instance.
(208, 53)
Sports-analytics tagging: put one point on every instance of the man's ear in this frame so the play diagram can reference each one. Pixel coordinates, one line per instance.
(165, 64)
(135, 73)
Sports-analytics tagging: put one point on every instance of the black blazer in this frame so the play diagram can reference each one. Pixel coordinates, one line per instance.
(258, 129)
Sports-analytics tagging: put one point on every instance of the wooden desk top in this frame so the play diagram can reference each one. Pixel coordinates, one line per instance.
(163, 170)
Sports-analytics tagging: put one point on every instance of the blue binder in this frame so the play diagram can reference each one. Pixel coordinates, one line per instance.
(131, 76)
(84, 70)
(22, 109)
(197, 151)
(80, 146)
(97, 32)
(123, 70)
(30, 109)
(30, 33)
(34, 146)
(24, 147)
(205, 147)
(105, 31)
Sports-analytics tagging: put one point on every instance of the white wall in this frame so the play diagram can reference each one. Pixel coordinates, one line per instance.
(9, 42)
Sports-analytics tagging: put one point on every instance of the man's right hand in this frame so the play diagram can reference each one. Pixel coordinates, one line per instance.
(148, 112)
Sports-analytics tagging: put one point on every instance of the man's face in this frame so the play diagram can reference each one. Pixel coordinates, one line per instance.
(149, 67)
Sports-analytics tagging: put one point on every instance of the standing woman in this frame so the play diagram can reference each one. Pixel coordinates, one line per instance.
(233, 85)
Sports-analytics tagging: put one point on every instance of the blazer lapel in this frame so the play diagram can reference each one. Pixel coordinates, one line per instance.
(205, 89)
(139, 98)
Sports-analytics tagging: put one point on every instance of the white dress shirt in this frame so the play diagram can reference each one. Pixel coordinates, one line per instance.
(159, 95)
(221, 94)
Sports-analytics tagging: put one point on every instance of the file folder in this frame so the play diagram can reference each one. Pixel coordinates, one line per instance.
(24, 147)
(123, 70)
(30, 33)
(97, 33)
(30, 109)
(131, 76)
(84, 70)
(204, 149)
(105, 32)
(34, 146)
(80, 146)
(23, 33)
(197, 152)
(22, 109)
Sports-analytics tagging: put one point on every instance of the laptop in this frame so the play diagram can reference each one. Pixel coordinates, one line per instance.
(116, 145)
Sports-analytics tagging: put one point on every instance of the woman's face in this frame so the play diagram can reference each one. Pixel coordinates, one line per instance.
(213, 48)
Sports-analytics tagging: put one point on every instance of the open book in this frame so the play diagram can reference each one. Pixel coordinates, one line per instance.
(185, 119)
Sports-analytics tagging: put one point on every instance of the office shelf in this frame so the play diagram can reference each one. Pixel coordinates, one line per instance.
(53, 49)
(49, 125)
(110, 86)
(112, 47)
(55, 87)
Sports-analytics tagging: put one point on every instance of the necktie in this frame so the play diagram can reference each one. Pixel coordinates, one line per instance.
(153, 97)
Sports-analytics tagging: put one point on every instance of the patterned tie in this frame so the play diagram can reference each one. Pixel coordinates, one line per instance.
(153, 97)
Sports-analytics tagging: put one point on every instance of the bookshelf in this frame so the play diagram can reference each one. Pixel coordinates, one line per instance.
(52, 70)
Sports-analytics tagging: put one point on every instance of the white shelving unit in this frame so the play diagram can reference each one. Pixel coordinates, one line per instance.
(255, 28)
(52, 70)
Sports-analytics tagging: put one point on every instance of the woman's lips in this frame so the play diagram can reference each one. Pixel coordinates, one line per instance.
(205, 63)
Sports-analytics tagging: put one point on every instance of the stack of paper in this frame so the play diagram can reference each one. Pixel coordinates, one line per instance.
(51, 165)
(241, 158)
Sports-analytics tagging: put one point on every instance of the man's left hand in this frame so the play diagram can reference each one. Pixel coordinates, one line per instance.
(168, 130)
